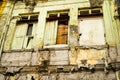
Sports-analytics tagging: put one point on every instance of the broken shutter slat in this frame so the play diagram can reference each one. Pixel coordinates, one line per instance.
(50, 33)
(19, 36)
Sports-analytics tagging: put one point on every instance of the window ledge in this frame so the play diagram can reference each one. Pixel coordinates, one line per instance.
(58, 46)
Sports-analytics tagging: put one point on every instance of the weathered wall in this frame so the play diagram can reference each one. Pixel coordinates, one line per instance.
(60, 62)
(43, 8)
(62, 76)
(111, 23)
(2, 15)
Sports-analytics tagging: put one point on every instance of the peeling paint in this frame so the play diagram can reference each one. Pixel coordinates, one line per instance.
(91, 52)
(91, 55)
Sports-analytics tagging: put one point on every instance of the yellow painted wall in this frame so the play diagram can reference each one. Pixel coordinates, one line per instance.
(2, 6)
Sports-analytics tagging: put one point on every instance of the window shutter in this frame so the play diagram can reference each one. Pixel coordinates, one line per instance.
(28, 42)
(19, 36)
(50, 33)
(62, 34)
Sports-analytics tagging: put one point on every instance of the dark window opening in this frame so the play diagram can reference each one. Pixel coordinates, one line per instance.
(95, 11)
(24, 17)
(118, 5)
(28, 41)
(84, 12)
(29, 30)
(90, 12)
(34, 17)
(52, 15)
(27, 18)
(64, 14)
(62, 32)
(119, 10)
(63, 22)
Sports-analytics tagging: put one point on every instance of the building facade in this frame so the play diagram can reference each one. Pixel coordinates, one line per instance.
(59, 40)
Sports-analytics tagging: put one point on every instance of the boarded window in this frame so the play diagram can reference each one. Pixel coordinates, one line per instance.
(56, 31)
(92, 30)
(62, 32)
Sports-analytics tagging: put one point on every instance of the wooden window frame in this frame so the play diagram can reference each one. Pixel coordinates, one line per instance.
(27, 19)
(58, 16)
(91, 11)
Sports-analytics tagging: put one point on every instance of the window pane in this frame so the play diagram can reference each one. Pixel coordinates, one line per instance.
(29, 30)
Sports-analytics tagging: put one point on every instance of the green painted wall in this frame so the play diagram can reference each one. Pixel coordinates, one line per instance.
(112, 23)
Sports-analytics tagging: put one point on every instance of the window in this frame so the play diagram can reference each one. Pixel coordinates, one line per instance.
(28, 17)
(91, 32)
(25, 30)
(29, 30)
(56, 31)
(29, 34)
(62, 32)
(90, 12)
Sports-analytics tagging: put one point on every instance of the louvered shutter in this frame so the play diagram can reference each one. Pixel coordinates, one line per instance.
(50, 33)
(19, 36)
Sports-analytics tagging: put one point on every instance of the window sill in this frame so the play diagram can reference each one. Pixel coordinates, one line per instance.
(58, 46)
